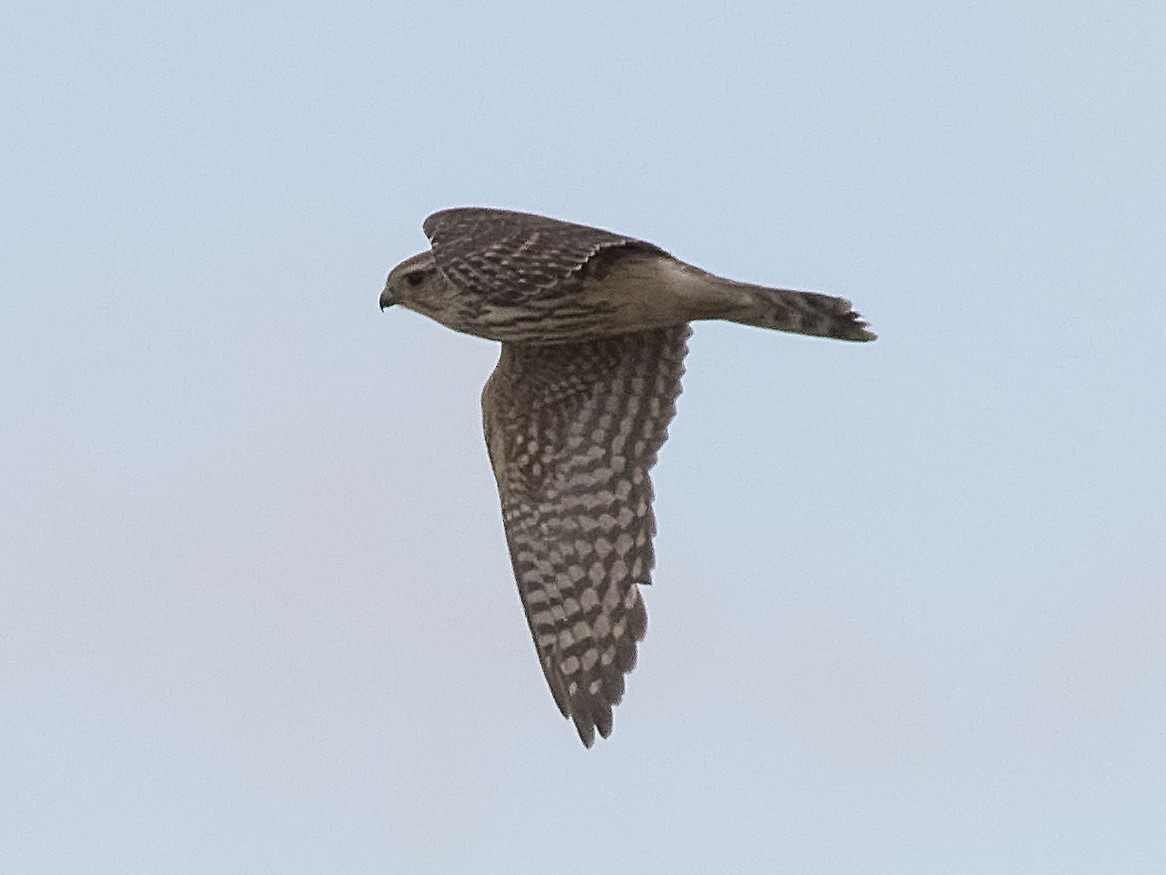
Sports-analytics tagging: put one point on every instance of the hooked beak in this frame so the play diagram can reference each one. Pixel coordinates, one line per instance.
(387, 299)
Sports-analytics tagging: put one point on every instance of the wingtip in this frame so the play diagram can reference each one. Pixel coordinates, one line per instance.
(586, 730)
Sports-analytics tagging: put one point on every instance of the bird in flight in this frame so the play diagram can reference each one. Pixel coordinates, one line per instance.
(593, 327)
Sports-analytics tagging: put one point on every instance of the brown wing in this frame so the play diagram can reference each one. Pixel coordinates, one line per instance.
(572, 432)
(509, 256)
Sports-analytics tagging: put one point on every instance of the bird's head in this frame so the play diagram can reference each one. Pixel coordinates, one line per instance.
(414, 283)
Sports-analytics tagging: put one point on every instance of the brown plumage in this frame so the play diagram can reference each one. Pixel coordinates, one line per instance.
(594, 329)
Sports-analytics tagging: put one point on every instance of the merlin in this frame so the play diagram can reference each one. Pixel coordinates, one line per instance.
(594, 329)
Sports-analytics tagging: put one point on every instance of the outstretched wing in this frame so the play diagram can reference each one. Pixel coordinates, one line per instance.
(572, 432)
(512, 256)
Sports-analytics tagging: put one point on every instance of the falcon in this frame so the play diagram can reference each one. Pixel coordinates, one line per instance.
(594, 328)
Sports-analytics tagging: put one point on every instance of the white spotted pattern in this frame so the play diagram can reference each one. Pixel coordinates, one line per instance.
(579, 520)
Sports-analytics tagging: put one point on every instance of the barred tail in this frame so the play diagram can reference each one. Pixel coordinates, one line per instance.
(800, 312)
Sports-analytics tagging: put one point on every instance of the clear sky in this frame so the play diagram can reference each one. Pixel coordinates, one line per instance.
(256, 611)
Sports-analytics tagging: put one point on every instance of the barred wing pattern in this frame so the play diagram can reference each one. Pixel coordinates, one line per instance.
(572, 432)
(513, 256)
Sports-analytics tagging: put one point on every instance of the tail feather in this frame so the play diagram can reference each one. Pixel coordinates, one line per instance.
(800, 312)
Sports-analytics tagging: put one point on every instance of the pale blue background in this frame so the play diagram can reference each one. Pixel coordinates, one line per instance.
(256, 613)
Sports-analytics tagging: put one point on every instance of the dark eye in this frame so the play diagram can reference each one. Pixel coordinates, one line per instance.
(415, 278)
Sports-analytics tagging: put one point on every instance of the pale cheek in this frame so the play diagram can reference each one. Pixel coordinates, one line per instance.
(432, 299)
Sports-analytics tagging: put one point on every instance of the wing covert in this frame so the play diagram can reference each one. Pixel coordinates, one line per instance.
(511, 255)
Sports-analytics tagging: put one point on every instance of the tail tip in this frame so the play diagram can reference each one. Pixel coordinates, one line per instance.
(858, 329)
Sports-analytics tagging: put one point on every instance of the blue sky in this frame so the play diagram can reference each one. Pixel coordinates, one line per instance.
(256, 612)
